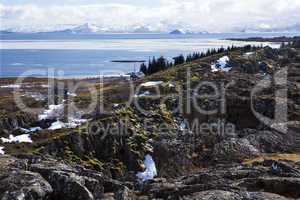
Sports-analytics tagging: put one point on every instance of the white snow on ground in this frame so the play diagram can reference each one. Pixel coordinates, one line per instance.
(57, 125)
(36, 96)
(25, 85)
(18, 139)
(150, 171)
(151, 83)
(45, 86)
(75, 122)
(31, 130)
(171, 85)
(183, 126)
(115, 105)
(146, 93)
(71, 94)
(10, 86)
(221, 65)
(53, 112)
(249, 53)
(2, 151)
(72, 123)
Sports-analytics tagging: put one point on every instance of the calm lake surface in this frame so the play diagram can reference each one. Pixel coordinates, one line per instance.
(89, 55)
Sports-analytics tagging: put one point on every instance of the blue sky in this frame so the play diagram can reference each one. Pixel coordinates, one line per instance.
(163, 15)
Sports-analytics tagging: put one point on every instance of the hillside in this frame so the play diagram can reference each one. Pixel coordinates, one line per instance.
(208, 127)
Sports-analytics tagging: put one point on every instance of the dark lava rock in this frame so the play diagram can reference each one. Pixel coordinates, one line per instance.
(230, 182)
(224, 195)
(67, 182)
(33, 178)
(20, 184)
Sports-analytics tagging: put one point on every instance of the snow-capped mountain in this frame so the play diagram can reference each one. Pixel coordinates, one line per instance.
(269, 28)
(86, 28)
(89, 28)
(143, 29)
(177, 32)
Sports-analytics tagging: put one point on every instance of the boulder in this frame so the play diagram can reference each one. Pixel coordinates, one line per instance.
(69, 183)
(23, 185)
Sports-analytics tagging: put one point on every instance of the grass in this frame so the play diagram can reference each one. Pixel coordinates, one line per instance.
(275, 157)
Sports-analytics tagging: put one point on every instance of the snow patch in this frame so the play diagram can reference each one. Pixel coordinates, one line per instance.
(14, 86)
(151, 83)
(18, 139)
(150, 171)
(57, 125)
(145, 94)
(31, 130)
(45, 86)
(71, 94)
(249, 53)
(221, 65)
(115, 105)
(53, 112)
(75, 122)
(36, 96)
(171, 85)
(183, 126)
(2, 151)
(72, 123)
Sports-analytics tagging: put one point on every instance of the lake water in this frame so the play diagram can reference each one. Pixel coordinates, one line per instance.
(90, 55)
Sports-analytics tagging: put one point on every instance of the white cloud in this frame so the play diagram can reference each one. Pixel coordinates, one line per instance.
(211, 15)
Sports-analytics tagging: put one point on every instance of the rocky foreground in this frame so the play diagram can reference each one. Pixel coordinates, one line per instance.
(256, 160)
(37, 178)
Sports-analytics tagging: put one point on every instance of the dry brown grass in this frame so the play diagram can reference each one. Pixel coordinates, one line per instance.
(276, 157)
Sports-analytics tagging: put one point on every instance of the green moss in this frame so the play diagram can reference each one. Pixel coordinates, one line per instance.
(88, 161)
(75, 159)
(155, 134)
(143, 135)
(118, 168)
(94, 164)
(195, 79)
(37, 151)
(132, 145)
(137, 144)
(164, 114)
(127, 112)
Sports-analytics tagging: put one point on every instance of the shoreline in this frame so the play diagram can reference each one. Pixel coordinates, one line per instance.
(83, 77)
(265, 39)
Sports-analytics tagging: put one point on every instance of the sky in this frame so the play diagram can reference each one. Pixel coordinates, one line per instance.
(162, 15)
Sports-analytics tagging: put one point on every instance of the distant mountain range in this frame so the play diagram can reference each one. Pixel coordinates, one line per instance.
(89, 28)
(177, 32)
(181, 31)
(292, 28)
(84, 29)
